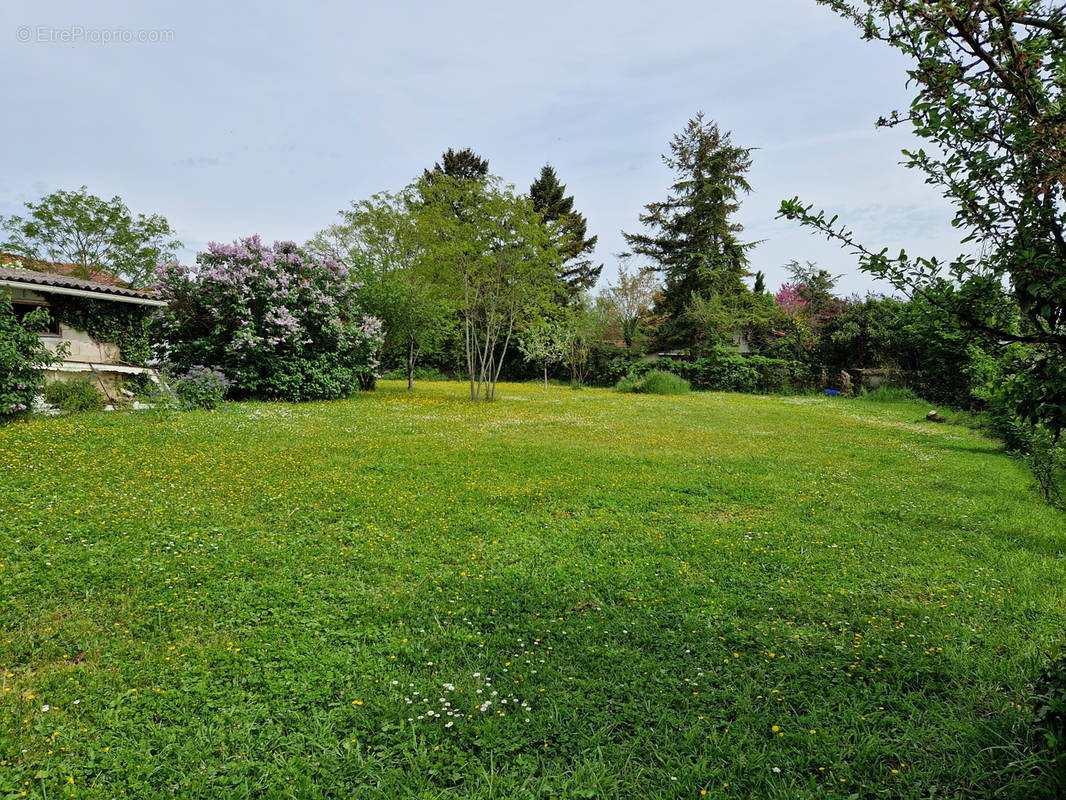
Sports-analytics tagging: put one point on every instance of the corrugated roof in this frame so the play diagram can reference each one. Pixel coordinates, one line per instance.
(46, 279)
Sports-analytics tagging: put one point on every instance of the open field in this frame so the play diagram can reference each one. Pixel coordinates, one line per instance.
(565, 593)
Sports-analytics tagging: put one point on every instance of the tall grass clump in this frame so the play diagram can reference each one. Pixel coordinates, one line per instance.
(655, 382)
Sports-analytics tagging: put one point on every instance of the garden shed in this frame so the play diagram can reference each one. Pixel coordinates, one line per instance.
(102, 323)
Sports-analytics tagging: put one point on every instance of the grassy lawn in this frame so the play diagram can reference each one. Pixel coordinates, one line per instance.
(565, 593)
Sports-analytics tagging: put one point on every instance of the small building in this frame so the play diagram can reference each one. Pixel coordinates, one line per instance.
(81, 311)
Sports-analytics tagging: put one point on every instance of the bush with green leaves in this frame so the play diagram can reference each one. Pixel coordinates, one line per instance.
(73, 396)
(660, 382)
(276, 321)
(22, 358)
(655, 382)
(631, 384)
(201, 387)
(931, 351)
(722, 371)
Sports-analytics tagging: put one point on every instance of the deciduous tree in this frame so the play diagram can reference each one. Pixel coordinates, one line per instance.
(631, 299)
(380, 242)
(95, 235)
(546, 342)
(990, 77)
(276, 321)
(494, 260)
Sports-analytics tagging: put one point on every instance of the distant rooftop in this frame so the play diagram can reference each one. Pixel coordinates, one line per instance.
(59, 268)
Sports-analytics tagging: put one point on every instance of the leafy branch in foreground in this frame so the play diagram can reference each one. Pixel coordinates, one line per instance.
(990, 76)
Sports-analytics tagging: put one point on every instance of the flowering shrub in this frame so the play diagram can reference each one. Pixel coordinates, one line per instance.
(274, 321)
(201, 387)
(790, 297)
(22, 356)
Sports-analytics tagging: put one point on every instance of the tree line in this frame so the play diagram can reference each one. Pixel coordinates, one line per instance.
(462, 269)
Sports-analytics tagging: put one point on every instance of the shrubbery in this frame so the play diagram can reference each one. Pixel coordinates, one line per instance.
(722, 372)
(22, 356)
(275, 321)
(201, 387)
(654, 382)
(73, 396)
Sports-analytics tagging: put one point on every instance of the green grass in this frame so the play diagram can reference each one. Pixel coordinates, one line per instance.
(268, 600)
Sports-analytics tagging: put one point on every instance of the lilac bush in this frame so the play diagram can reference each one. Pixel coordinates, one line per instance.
(276, 321)
(201, 387)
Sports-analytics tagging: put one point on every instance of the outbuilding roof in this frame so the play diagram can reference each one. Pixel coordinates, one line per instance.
(69, 285)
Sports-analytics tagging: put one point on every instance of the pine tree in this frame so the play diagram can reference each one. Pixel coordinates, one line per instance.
(461, 165)
(549, 199)
(690, 235)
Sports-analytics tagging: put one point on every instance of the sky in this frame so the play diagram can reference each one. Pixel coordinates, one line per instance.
(240, 118)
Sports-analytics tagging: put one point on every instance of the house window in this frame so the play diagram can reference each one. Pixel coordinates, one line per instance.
(23, 308)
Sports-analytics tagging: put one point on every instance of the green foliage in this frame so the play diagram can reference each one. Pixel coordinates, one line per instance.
(546, 342)
(126, 325)
(989, 97)
(628, 304)
(691, 238)
(276, 321)
(1038, 445)
(201, 387)
(653, 382)
(22, 358)
(660, 382)
(630, 384)
(458, 165)
(421, 373)
(720, 372)
(585, 324)
(492, 259)
(815, 287)
(576, 273)
(760, 283)
(1036, 387)
(381, 243)
(1049, 714)
(713, 320)
(94, 234)
(73, 396)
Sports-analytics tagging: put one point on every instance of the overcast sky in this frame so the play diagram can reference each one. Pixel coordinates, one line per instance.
(238, 118)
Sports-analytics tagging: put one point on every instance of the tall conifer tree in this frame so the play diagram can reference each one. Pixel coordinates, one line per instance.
(459, 164)
(690, 235)
(549, 199)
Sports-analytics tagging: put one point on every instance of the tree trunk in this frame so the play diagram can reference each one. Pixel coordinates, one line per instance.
(545, 374)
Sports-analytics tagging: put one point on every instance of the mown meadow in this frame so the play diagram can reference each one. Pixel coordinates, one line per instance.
(560, 594)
